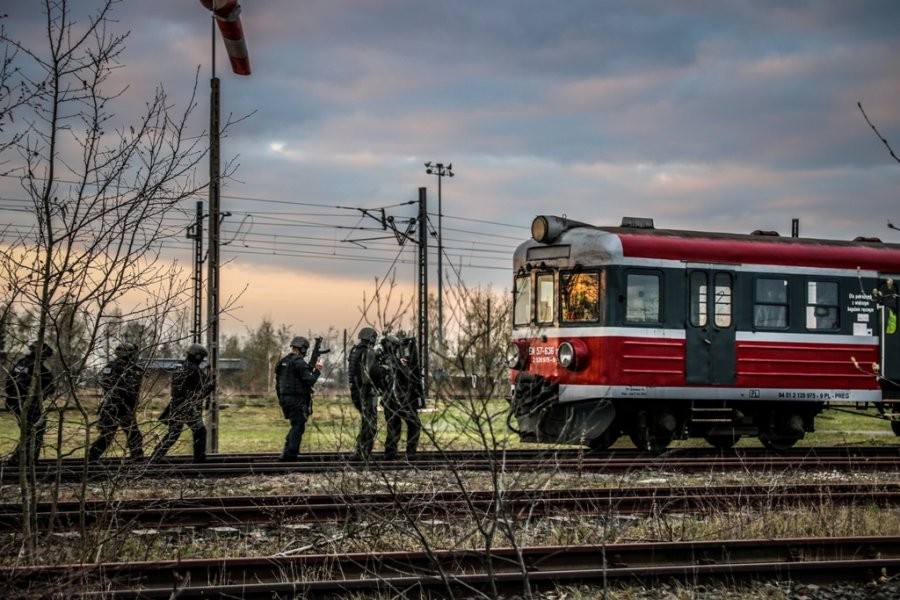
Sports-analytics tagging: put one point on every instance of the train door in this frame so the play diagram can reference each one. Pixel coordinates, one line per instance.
(709, 334)
(889, 311)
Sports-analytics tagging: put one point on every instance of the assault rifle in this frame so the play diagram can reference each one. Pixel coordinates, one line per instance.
(313, 359)
(317, 352)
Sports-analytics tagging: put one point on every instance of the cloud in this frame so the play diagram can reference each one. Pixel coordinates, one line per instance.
(731, 116)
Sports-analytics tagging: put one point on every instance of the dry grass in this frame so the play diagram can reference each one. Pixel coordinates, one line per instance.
(404, 529)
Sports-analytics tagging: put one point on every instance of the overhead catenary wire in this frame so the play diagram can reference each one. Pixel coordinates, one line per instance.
(305, 247)
(303, 233)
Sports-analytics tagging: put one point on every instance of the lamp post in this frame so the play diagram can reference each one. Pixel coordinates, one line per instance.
(441, 171)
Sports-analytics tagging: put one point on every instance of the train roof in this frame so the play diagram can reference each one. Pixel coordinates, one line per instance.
(610, 243)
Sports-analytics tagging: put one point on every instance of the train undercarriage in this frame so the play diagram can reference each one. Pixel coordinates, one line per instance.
(538, 416)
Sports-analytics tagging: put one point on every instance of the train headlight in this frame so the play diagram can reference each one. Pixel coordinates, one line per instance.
(573, 355)
(540, 229)
(546, 228)
(565, 355)
(514, 356)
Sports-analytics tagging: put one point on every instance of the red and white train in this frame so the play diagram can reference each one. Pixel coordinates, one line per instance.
(665, 334)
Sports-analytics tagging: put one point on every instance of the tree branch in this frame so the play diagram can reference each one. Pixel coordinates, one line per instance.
(880, 137)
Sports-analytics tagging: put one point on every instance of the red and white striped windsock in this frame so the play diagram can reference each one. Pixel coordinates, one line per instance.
(228, 16)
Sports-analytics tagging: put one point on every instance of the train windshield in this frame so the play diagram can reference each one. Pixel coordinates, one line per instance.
(580, 297)
(522, 301)
(546, 298)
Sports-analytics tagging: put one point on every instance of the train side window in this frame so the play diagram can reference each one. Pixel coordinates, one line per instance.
(722, 300)
(546, 298)
(699, 291)
(580, 297)
(770, 307)
(522, 301)
(822, 308)
(642, 298)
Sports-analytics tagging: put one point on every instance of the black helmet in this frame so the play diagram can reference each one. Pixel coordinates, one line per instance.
(391, 341)
(46, 350)
(126, 350)
(196, 353)
(300, 342)
(367, 334)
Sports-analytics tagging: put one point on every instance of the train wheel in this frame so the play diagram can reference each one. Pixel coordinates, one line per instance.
(779, 442)
(722, 441)
(604, 440)
(892, 412)
(653, 430)
(784, 430)
(654, 444)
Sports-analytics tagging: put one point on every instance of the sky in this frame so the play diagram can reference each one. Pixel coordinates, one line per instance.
(720, 116)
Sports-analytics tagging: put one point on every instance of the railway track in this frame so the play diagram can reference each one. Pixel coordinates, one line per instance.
(167, 513)
(440, 572)
(885, 458)
(437, 572)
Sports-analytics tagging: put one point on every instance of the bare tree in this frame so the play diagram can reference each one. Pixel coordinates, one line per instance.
(262, 348)
(383, 311)
(484, 332)
(101, 198)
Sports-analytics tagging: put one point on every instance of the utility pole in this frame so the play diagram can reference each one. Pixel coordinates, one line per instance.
(439, 170)
(423, 289)
(226, 14)
(195, 232)
(212, 280)
(3, 319)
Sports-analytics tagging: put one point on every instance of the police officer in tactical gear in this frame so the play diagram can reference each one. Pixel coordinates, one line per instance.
(371, 377)
(121, 381)
(25, 398)
(191, 385)
(295, 379)
(401, 400)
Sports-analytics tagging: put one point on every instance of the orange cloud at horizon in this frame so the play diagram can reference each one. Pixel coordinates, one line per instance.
(305, 302)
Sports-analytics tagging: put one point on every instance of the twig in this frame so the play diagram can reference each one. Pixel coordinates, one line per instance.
(884, 141)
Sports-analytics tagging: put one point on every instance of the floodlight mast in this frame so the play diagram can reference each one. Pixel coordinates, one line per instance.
(440, 171)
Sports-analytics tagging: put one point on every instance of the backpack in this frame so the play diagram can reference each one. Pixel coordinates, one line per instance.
(354, 364)
(280, 366)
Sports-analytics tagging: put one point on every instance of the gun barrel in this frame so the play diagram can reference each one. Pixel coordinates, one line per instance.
(318, 351)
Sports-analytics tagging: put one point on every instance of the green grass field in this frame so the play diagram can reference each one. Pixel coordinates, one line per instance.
(256, 425)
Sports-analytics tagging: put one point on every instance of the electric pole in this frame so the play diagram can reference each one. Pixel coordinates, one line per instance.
(226, 14)
(195, 233)
(423, 289)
